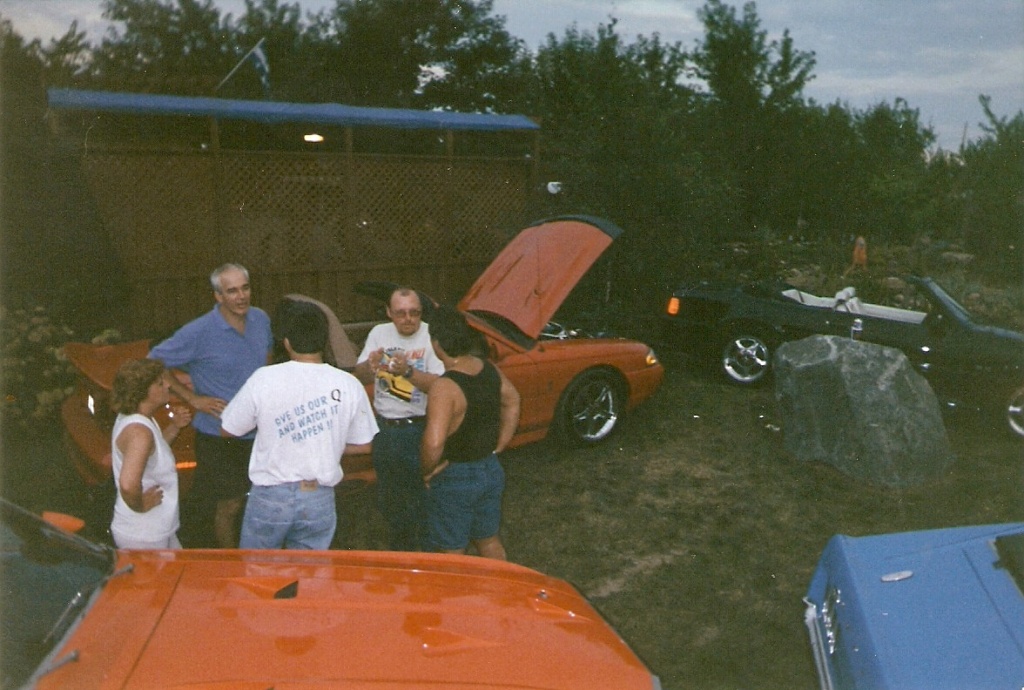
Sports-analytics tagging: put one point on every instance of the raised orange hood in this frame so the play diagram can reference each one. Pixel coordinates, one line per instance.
(532, 276)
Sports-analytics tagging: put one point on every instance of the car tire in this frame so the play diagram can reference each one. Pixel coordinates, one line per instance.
(590, 408)
(1015, 412)
(746, 358)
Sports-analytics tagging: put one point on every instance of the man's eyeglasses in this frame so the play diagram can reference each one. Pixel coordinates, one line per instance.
(411, 313)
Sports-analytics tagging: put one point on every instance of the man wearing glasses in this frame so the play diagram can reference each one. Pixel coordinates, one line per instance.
(400, 362)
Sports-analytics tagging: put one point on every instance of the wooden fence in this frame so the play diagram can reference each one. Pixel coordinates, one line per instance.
(310, 223)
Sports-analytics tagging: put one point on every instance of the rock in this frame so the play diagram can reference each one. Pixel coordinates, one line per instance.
(957, 258)
(862, 408)
(894, 284)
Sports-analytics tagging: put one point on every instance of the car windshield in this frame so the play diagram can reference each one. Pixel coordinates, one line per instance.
(48, 578)
(951, 304)
(1011, 556)
(504, 327)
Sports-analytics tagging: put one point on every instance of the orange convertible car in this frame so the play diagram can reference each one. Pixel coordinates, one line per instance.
(576, 388)
(81, 615)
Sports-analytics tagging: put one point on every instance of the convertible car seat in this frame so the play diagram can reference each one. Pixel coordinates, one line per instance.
(846, 300)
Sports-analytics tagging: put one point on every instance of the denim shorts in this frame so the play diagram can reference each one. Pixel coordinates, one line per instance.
(464, 503)
(289, 516)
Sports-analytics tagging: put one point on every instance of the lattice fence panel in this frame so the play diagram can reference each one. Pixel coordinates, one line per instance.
(284, 213)
(309, 223)
(303, 213)
(157, 208)
(400, 210)
(487, 200)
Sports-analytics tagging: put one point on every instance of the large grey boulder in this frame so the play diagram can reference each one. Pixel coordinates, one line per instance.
(862, 408)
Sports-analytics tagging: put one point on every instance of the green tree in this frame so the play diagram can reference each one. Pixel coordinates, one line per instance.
(892, 168)
(66, 58)
(618, 134)
(53, 253)
(753, 85)
(293, 49)
(178, 46)
(409, 53)
(993, 193)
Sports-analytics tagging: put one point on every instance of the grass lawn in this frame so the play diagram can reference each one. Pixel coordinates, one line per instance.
(695, 534)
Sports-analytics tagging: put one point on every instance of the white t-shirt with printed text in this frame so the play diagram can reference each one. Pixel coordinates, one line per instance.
(389, 391)
(304, 414)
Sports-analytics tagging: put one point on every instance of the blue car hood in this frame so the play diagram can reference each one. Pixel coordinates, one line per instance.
(933, 609)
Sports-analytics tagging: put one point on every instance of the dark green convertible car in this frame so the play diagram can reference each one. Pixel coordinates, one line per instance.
(739, 326)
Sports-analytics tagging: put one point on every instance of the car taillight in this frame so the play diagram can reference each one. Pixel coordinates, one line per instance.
(673, 306)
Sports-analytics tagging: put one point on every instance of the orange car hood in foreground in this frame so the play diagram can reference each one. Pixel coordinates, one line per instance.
(294, 619)
(531, 277)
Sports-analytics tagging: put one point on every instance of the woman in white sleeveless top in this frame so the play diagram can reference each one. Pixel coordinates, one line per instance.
(146, 508)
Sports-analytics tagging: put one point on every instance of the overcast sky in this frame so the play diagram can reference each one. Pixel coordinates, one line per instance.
(939, 55)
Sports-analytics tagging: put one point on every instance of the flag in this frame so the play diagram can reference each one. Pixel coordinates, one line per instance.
(259, 61)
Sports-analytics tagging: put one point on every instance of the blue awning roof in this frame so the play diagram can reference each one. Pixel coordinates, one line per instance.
(271, 112)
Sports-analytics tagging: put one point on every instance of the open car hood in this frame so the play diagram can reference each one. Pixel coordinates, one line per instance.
(99, 363)
(289, 619)
(532, 276)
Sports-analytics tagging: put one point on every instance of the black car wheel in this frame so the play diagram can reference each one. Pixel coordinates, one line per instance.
(746, 358)
(1015, 412)
(589, 409)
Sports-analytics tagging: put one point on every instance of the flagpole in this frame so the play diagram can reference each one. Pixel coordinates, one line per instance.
(240, 63)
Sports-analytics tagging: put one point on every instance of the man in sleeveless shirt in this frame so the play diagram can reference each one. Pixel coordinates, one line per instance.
(472, 415)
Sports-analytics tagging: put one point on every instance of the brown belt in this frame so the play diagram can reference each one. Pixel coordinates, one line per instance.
(403, 421)
(309, 485)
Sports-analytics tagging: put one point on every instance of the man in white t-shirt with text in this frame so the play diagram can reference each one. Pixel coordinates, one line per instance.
(307, 414)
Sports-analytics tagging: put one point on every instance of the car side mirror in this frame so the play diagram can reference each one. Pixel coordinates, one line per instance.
(63, 521)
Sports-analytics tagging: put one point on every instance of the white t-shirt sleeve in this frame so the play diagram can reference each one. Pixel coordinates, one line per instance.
(239, 417)
(370, 346)
(431, 362)
(363, 425)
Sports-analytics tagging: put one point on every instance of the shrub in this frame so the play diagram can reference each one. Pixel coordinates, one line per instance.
(36, 374)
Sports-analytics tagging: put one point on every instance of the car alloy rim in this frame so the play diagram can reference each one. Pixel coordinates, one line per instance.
(746, 359)
(1015, 412)
(593, 412)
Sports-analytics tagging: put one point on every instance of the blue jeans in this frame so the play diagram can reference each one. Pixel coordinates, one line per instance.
(289, 516)
(464, 503)
(400, 490)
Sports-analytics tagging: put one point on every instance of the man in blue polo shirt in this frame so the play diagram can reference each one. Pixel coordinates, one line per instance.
(219, 350)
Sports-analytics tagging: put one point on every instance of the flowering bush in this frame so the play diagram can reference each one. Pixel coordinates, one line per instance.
(36, 374)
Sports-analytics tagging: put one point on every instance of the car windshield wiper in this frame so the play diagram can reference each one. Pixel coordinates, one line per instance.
(72, 608)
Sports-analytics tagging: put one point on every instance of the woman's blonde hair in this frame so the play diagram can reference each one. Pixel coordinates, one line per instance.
(132, 382)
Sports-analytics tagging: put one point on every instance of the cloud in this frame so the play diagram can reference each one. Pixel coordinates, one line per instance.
(51, 19)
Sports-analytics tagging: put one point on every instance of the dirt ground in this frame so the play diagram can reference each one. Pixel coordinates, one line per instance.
(691, 529)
